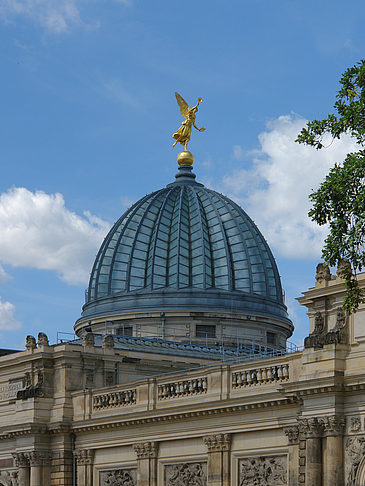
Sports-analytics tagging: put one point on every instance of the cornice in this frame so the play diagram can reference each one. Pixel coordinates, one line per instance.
(23, 430)
(107, 423)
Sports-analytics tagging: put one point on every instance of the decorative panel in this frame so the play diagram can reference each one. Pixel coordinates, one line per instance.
(118, 477)
(186, 474)
(263, 471)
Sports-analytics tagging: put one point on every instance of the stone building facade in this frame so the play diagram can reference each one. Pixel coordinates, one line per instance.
(116, 407)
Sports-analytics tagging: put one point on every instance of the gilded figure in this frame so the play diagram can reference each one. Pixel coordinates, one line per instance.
(183, 134)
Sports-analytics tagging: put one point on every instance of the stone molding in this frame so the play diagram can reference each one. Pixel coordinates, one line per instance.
(292, 433)
(218, 442)
(171, 417)
(146, 450)
(84, 457)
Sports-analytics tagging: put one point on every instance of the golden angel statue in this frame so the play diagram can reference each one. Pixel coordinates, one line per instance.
(183, 134)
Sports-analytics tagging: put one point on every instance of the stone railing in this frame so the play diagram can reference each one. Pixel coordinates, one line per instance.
(219, 382)
(182, 388)
(260, 376)
(114, 399)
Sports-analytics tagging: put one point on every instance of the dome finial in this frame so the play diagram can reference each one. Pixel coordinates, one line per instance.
(183, 134)
(185, 158)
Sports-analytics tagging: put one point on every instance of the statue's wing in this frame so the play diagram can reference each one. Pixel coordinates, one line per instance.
(184, 107)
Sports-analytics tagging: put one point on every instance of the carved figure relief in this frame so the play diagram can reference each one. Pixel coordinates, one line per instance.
(355, 424)
(186, 474)
(9, 478)
(320, 336)
(42, 339)
(30, 343)
(118, 477)
(343, 268)
(316, 338)
(338, 334)
(322, 272)
(30, 390)
(354, 454)
(263, 471)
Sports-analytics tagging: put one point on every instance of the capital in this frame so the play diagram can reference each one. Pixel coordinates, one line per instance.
(21, 459)
(84, 457)
(146, 450)
(292, 433)
(311, 427)
(218, 442)
(333, 425)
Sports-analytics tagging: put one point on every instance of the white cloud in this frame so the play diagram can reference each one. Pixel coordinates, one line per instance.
(238, 152)
(4, 277)
(274, 192)
(56, 16)
(38, 231)
(7, 319)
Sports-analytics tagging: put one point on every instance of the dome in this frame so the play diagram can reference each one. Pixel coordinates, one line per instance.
(185, 247)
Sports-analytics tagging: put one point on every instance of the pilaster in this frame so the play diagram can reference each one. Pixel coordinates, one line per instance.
(313, 430)
(146, 463)
(219, 446)
(333, 429)
(84, 464)
(294, 460)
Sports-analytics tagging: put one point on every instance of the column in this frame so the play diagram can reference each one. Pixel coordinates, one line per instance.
(313, 430)
(219, 446)
(22, 463)
(333, 432)
(36, 463)
(146, 463)
(295, 462)
(84, 464)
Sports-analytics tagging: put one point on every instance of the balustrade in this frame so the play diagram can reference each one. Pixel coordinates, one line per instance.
(114, 399)
(182, 388)
(260, 376)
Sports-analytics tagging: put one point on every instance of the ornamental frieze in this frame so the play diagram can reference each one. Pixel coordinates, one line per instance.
(186, 474)
(118, 477)
(263, 471)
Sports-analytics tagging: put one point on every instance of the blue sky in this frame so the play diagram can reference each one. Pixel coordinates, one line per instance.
(87, 114)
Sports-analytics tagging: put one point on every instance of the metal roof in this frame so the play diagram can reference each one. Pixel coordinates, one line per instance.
(185, 237)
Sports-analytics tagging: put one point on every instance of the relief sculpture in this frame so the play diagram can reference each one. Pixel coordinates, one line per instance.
(118, 477)
(186, 474)
(354, 453)
(263, 471)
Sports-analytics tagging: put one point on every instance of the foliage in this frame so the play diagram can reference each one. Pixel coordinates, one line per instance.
(340, 199)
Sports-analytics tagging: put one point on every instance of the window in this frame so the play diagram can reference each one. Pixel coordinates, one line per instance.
(270, 338)
(125, 331)
(203, 331)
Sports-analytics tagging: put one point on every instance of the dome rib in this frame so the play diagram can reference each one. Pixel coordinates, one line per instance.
(259, 239)
(97, 265)
(232, 262)
(154, 239)
(158, 195)
(229, 285)
(201, 227)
